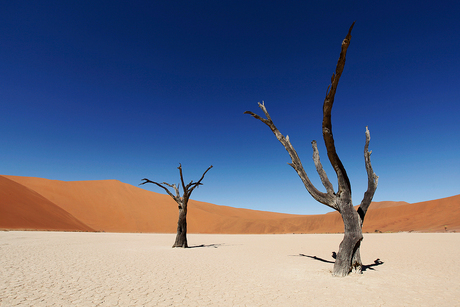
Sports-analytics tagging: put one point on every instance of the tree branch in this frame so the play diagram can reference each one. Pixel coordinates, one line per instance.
(199, 181)
(182, 179)
(321, 197)
(342, 177)
(319, 168)
(372, 179)
(176, 198)
(174, 186)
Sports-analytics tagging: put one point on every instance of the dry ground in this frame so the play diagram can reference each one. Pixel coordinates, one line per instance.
(120, 269)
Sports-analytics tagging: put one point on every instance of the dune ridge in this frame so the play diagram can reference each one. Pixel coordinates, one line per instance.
(112, 206)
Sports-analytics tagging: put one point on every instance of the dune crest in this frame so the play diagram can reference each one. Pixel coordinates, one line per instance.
(113, 206)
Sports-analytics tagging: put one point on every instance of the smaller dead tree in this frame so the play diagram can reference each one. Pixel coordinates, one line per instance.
(181, 237)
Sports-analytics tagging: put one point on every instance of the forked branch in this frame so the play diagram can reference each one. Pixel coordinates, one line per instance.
(192, 185)
(187, 189)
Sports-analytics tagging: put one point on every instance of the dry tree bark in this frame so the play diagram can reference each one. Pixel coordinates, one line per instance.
(181, 236)
(348, 257)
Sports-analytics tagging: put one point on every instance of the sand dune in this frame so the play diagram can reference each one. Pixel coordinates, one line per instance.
(108, 205)
(428, 216)
(113, 206)
(23, 208)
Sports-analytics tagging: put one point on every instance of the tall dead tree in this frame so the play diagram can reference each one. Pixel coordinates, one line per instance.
(181, 237)
(348, 257)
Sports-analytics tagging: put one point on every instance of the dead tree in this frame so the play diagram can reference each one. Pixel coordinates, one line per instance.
(348, 257)
(181, 237)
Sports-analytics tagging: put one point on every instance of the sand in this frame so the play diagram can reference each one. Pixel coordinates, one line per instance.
(125, 269)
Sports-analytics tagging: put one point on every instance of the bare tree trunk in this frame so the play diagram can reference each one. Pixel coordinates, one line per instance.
(181, 236)
(348, 257)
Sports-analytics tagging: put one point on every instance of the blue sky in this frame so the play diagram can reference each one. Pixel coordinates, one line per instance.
(93, 90)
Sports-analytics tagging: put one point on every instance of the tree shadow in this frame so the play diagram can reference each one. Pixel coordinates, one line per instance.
(317, 258)
(369, 266)
(206, 245)
(365, 267)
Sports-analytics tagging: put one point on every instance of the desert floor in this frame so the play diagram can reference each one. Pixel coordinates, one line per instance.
(120, 269)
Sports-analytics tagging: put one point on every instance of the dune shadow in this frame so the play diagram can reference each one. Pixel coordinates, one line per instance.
(206, 245)
(365, 267)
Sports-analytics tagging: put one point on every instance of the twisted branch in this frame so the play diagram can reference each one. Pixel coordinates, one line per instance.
(372, 179)
(177, 198)
(321, 172)
(342, 177)
(327, 199)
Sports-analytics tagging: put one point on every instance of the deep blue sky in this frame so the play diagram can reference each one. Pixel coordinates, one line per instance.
(93, 90)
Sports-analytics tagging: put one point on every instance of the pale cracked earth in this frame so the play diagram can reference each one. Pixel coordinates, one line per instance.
(109, 269)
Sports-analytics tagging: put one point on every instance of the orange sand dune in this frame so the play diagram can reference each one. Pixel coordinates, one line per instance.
(113, 206)
(108, 205)
(387, 204)
(22, 208)
(428, 216)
